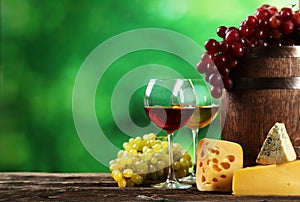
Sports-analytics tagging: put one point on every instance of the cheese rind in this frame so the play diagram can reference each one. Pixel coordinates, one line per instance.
(277, 147)
(280, 179)
(216, 162)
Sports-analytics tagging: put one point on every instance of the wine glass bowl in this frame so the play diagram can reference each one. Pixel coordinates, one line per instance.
(205, 112)
(169, 104)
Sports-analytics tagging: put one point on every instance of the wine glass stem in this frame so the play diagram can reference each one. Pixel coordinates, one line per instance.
(195, 140)
(171, 174)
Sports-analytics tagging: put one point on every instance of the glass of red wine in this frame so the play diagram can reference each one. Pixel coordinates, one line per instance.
(169, 104)
(205, 112)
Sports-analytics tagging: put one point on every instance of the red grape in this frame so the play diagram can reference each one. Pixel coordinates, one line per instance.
(221, 31)
(232, 62)
(296, 19)
(224, 71)
(286, 13)
(262, 14)
(232, 36)
(207, 77)
(224, 46)
(244, 31)
(237, 49)
(275, 21)
(273, 10)
(227, 81)
(216, 91)
(211, 68)
(251, 21)
(220, 60)
(206, 57)
(215, 79)
(287, 27)
(276, 34)
(262, 23)
(201, 66)
(211, 45)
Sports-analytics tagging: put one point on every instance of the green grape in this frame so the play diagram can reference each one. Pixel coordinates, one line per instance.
(145, 157)
(187, 156)
(112, 162)
(181, 173)
(138, 141)
(176, 165)
(122, 183)
(127, 172)
(183, 162)
(131, 141)
(120, 154)
(156, 147)
(160, 165)
(154, 176)
(129, 183)
(127, 146)
(160, 173)
(144, 149)
(117, 175)
(165, 159)
(150, 142)
(113, 167)
(153, 160)
(149, 136)
(143, 167)
(135, 146)
(137, 179)
(152, 168)
(148, 151)
(164, 150)
(158, 155)
(120, 163)
(190, 164)
(132, 151)
(164, 144)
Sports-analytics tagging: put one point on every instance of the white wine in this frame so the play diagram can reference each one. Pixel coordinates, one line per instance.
(202, 116)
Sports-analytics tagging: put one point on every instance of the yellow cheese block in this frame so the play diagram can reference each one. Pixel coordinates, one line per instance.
(280, 179)
(216, 162)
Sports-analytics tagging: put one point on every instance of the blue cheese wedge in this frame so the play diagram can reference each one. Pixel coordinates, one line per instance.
(277, 147)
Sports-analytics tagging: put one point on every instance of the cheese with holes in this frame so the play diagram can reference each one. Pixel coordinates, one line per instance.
(277, 147)
(275, 179)
(216, 162)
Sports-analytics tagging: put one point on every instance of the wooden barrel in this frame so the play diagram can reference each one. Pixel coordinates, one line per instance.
(266, 91)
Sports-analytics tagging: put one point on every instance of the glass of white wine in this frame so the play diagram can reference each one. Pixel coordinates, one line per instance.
(206, 111)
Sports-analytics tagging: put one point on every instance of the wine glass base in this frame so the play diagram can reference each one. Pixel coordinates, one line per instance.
(188, 179)
(172, 185)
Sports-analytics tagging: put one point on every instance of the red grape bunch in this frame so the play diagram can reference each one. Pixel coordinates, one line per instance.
(268, 26)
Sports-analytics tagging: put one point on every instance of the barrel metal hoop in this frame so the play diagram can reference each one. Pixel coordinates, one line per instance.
(273, 52)
(268, 83)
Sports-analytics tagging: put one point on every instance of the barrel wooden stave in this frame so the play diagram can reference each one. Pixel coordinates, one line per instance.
(250, 113)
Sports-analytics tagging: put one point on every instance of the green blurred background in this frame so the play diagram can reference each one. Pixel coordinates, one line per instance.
(43, 45)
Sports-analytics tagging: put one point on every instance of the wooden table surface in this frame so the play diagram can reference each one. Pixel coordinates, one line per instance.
(101, 187)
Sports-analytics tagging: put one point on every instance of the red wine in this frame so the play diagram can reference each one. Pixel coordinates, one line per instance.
(169, 119)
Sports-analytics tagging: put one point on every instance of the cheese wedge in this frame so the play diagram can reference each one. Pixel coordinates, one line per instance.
(276, 179)
(216, 162)
(277, 147)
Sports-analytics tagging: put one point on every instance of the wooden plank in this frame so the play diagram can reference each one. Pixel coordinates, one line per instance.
(100, 187)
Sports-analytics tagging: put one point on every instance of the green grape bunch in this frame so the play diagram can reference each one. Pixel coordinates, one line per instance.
(147, 159)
